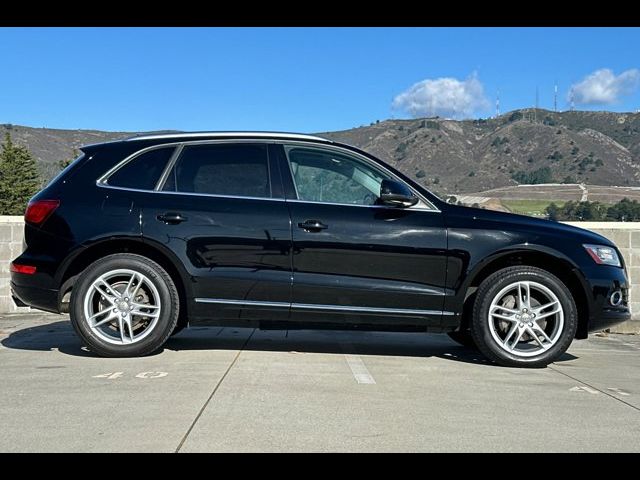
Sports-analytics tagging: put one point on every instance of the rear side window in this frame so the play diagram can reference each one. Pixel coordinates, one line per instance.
(222, 169)
(142, 172)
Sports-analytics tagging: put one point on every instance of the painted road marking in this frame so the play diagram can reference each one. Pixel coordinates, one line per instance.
(114, 375)
(152, 374)
(584, 388)
(110, 375)
(359, 369)
(357, 366)
(619, 391)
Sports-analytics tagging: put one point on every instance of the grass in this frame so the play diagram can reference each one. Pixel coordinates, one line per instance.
(529, 207)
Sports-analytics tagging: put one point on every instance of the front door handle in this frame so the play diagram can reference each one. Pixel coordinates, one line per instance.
(312, 225)
(171, 218)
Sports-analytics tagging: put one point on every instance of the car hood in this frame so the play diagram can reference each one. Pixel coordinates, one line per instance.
(524, 222)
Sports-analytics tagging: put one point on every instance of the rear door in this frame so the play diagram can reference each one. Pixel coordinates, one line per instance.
(220, 211)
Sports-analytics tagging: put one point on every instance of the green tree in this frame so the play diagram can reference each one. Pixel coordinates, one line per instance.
(540, 175)
(552, 211)
(625, 210)
(515, 116)
(18, 178)
(583, 211)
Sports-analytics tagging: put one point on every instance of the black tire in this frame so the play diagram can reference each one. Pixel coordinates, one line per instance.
(168, 298)
(464, 338)
(491, 286)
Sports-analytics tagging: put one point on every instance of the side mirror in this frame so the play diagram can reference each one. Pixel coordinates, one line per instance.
(396, 194)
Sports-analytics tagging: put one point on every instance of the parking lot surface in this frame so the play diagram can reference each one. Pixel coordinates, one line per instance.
(234, 389)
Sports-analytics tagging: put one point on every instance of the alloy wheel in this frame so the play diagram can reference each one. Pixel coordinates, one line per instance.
(526, 318)
(122, 306)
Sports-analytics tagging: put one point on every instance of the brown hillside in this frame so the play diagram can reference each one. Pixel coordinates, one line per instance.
(447, 156)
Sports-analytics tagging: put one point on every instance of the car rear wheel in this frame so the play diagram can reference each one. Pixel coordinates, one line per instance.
(523, 317)
(124, 305)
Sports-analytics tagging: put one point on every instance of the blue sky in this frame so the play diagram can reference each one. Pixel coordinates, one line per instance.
(304, 79)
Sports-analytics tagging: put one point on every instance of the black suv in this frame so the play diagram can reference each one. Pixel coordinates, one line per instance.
(140, 237)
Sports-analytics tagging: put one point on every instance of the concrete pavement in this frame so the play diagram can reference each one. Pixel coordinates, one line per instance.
(231, 389)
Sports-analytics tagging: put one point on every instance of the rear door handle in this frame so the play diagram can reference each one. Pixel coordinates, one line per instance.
(312, 225)
(172, 218)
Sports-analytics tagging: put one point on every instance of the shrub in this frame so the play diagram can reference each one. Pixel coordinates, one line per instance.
(540, 175)
(555, 156)
(515, 116)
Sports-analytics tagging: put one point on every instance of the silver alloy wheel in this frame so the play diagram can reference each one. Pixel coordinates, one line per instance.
(526, 318)
(122, 307)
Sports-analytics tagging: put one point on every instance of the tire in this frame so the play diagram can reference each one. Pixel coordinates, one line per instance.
(129, 327)
(464, 338)
(523, 318)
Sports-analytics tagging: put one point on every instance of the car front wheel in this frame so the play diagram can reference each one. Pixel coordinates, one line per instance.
(124, 305)
(523, 317)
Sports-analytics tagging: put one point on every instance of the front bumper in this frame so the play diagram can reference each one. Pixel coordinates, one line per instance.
(608, 318)
(603, 282)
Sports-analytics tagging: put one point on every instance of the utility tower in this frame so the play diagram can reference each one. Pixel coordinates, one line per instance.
(535, 112)
(555, 97)
(498, 104)
(572, 104)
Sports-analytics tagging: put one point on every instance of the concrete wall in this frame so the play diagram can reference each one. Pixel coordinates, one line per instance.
(11, 230)
(625, 235)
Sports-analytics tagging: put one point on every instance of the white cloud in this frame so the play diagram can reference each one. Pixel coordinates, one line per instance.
(446, 97)
(602, 87)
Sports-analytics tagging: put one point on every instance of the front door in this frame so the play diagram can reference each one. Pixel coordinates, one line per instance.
(352, 256)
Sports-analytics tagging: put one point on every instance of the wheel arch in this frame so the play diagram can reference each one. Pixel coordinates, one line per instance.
(76, 264)
(544, 258)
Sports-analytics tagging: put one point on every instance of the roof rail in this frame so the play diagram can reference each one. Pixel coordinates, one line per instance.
(296, 136)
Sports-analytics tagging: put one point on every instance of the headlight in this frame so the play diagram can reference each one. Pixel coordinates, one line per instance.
(603, 255)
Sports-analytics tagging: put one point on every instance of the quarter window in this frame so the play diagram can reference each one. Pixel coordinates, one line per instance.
(143, 171)
(220, 169)
(327, 176)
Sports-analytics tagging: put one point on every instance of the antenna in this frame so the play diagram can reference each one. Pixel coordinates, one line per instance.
(498, 104)
(535, 112)
(555, 97)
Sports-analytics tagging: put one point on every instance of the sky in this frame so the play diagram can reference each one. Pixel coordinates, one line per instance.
(305, 79)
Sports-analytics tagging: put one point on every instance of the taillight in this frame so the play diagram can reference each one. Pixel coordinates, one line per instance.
(26, 269)
(39, 210)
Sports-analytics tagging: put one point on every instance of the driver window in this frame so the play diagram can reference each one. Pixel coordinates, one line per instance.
(327, 176)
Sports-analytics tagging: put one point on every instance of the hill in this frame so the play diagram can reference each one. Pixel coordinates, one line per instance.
(523, 146)
(50, 146)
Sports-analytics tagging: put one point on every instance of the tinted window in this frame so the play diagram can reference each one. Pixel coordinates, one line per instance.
(143, 172)
(326, 176)
(235, 170)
